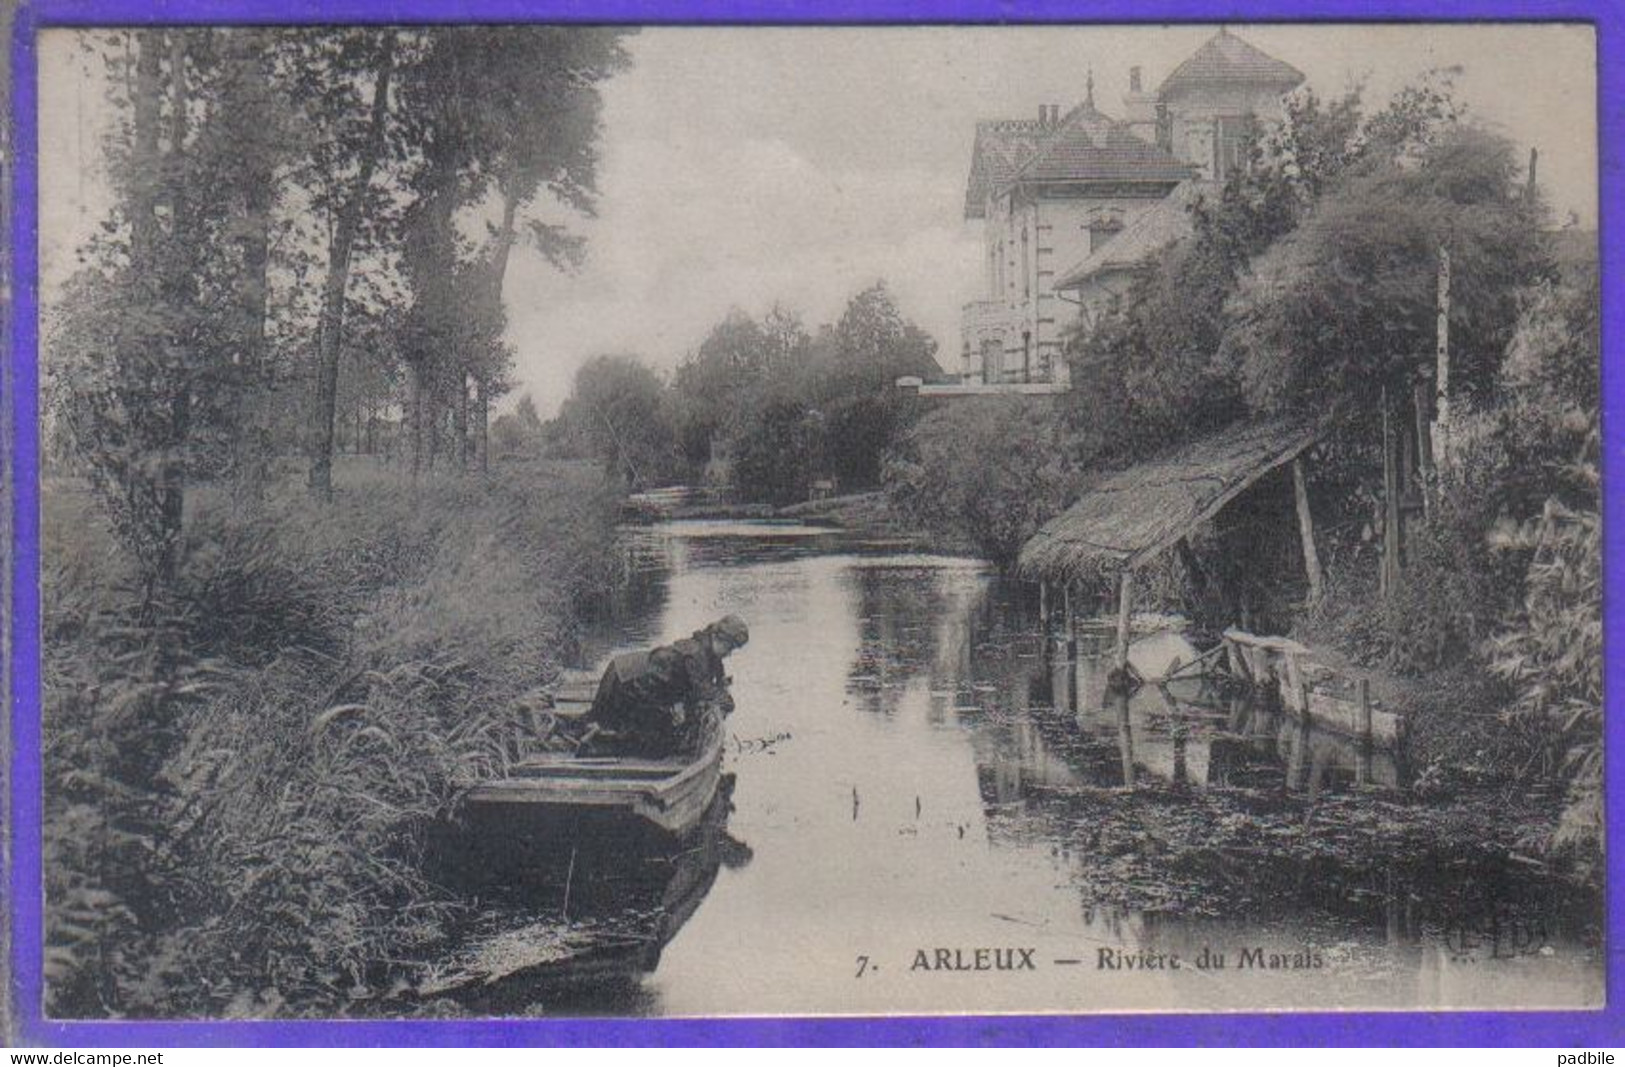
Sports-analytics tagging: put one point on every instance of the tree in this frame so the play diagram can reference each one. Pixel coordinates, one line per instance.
(776, 451)
(129, 337)
(540, 99)
(619, 408)
(1344, 306)
(871, 346)
(348, 208)
(520, 432)
(988, 470)
(1148, 362)
(508, 114)
(730, 362)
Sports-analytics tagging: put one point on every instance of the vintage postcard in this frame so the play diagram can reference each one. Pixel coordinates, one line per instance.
(573, 520)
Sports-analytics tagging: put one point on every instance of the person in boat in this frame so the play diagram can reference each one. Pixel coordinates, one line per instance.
(655, 703)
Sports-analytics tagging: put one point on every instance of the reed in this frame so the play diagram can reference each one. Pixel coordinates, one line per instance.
(240, 777)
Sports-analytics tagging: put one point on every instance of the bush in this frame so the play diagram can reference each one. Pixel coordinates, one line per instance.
(238, 781)
(1552, 650)
(988, 470)
(776, 454)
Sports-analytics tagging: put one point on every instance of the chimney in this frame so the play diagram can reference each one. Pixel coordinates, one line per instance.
(1165, 128)
(1134, 79)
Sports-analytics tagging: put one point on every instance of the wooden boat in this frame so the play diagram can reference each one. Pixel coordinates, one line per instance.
(599, 795)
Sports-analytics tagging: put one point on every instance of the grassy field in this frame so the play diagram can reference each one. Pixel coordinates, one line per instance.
(240, 773)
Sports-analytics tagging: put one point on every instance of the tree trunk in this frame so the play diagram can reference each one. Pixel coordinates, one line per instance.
(329, 335)
(252, 444)
(459, 422)
(178, 289)
(482, 426)
(414, 415)
(1390, 577)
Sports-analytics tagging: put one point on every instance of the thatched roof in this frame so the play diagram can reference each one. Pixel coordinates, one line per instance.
(1133, 515)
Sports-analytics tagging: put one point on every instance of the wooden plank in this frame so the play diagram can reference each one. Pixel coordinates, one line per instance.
(1238, 664)
(1125, 607)
(1306, 532)
(1348, 717)
(1272, 643)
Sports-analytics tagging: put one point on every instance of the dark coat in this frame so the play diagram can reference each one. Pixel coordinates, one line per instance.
(654, 703)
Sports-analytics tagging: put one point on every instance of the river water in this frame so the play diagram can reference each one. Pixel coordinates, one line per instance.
(915, 781)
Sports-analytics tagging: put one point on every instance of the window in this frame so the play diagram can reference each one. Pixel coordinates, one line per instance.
(1103, 223)
(1199, 150)
(1026, 266)
(1232, 137)
(992, 360)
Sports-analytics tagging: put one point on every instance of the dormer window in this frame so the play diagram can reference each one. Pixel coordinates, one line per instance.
(1102, 224)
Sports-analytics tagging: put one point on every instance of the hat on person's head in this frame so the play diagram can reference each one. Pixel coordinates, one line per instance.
(734, 629)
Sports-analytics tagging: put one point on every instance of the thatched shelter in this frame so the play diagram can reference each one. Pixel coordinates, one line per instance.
(1132, 516)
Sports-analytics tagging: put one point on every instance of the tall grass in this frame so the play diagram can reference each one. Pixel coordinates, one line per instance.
(239, 778)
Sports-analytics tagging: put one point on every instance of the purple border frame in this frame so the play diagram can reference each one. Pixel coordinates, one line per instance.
(1551, 1029)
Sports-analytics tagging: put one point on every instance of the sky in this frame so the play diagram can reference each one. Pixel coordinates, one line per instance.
(746, 166)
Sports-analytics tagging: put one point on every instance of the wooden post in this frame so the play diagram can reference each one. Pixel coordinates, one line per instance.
(1125, 611)
(1424, 445)
(1306, 531)
(1441, 379)
(1125, 738)
(1297, 770)
(1043, 607)
(1237, 662)
(1069, 623)
(1390, 504)
(1362, 757)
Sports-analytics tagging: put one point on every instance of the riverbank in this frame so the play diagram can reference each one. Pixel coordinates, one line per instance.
(868, 515)
(240, 772)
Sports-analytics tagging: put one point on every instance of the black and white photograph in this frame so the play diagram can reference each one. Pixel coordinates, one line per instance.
(542, 521)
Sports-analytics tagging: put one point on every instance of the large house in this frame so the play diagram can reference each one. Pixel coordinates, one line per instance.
(1071, 202)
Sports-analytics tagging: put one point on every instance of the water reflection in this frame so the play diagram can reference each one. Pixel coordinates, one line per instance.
(918, 767)
(624, 901)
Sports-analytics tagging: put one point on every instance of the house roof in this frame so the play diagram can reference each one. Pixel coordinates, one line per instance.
(1002, 146)
(1084, 145)
(1165, 222)
(1131, 516)
(1089, 146)
(1228, 60)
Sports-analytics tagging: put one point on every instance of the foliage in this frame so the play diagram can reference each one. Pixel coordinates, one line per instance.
(989, 470)
(1552, 652)
(871, 346)
(520, 432)
(236, 812)
(620, 411)
(1147, 365)
(1346, 304)
(780, 409)
(776, 452)
(731, 362)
